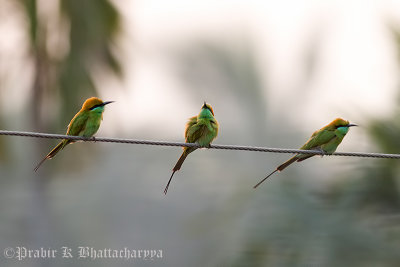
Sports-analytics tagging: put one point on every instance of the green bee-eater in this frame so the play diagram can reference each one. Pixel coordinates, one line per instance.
(326, 139)
(201, 129)
(85, 123)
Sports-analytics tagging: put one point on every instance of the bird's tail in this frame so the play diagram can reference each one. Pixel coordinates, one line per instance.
(260, 182)
(180, 161)
(304, 157)
(287, 163)
(278, 169)
(178, 165)
(53, 152)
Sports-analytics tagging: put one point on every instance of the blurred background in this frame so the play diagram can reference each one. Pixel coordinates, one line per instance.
(274, 71)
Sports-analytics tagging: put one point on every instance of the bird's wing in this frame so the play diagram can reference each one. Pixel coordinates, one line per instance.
(189, 128)
(214, 124)
(77, 124)
(195, 132)
(318, 139)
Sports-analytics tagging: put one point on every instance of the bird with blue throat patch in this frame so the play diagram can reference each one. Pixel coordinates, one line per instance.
(85, 123)
(326, 140)
(201, 129)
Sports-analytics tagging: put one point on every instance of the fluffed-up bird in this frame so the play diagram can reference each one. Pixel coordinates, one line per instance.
(85, 123)
(201, 129)
(326, 139)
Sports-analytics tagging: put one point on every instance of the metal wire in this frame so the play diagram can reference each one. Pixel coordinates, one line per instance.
(212, 146)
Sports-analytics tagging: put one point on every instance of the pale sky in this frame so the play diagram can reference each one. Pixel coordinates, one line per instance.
(356, 71)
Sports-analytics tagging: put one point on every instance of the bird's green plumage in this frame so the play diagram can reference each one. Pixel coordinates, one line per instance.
(326, 139)
(85, 123)
(201, 129)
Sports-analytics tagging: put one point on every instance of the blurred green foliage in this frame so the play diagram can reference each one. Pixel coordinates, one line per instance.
(94, 25)
(229, 71)
(355, 222)
(90, 29)
(379, 183)
(70, 41)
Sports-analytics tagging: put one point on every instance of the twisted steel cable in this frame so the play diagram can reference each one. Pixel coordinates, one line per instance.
(213, 146)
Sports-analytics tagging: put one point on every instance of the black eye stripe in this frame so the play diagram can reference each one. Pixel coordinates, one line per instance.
(210, 109)
(96, 106)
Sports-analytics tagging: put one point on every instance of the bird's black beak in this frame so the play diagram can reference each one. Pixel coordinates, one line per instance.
(107, 102)
(205, 105)
(351, 125)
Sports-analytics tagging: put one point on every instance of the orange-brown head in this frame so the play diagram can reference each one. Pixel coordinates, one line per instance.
(94, 102)
(207, 107)
(339, 122)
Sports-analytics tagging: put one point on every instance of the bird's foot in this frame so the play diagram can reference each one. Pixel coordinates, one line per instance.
(204, 146)
(92, 138)
(323, 152)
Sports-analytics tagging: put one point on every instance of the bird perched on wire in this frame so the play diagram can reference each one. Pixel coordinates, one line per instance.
(326, 140)
(201, 129)
(85, 123)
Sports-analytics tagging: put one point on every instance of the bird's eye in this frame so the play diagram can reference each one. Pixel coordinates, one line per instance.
(210, 109)
(95, 106)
